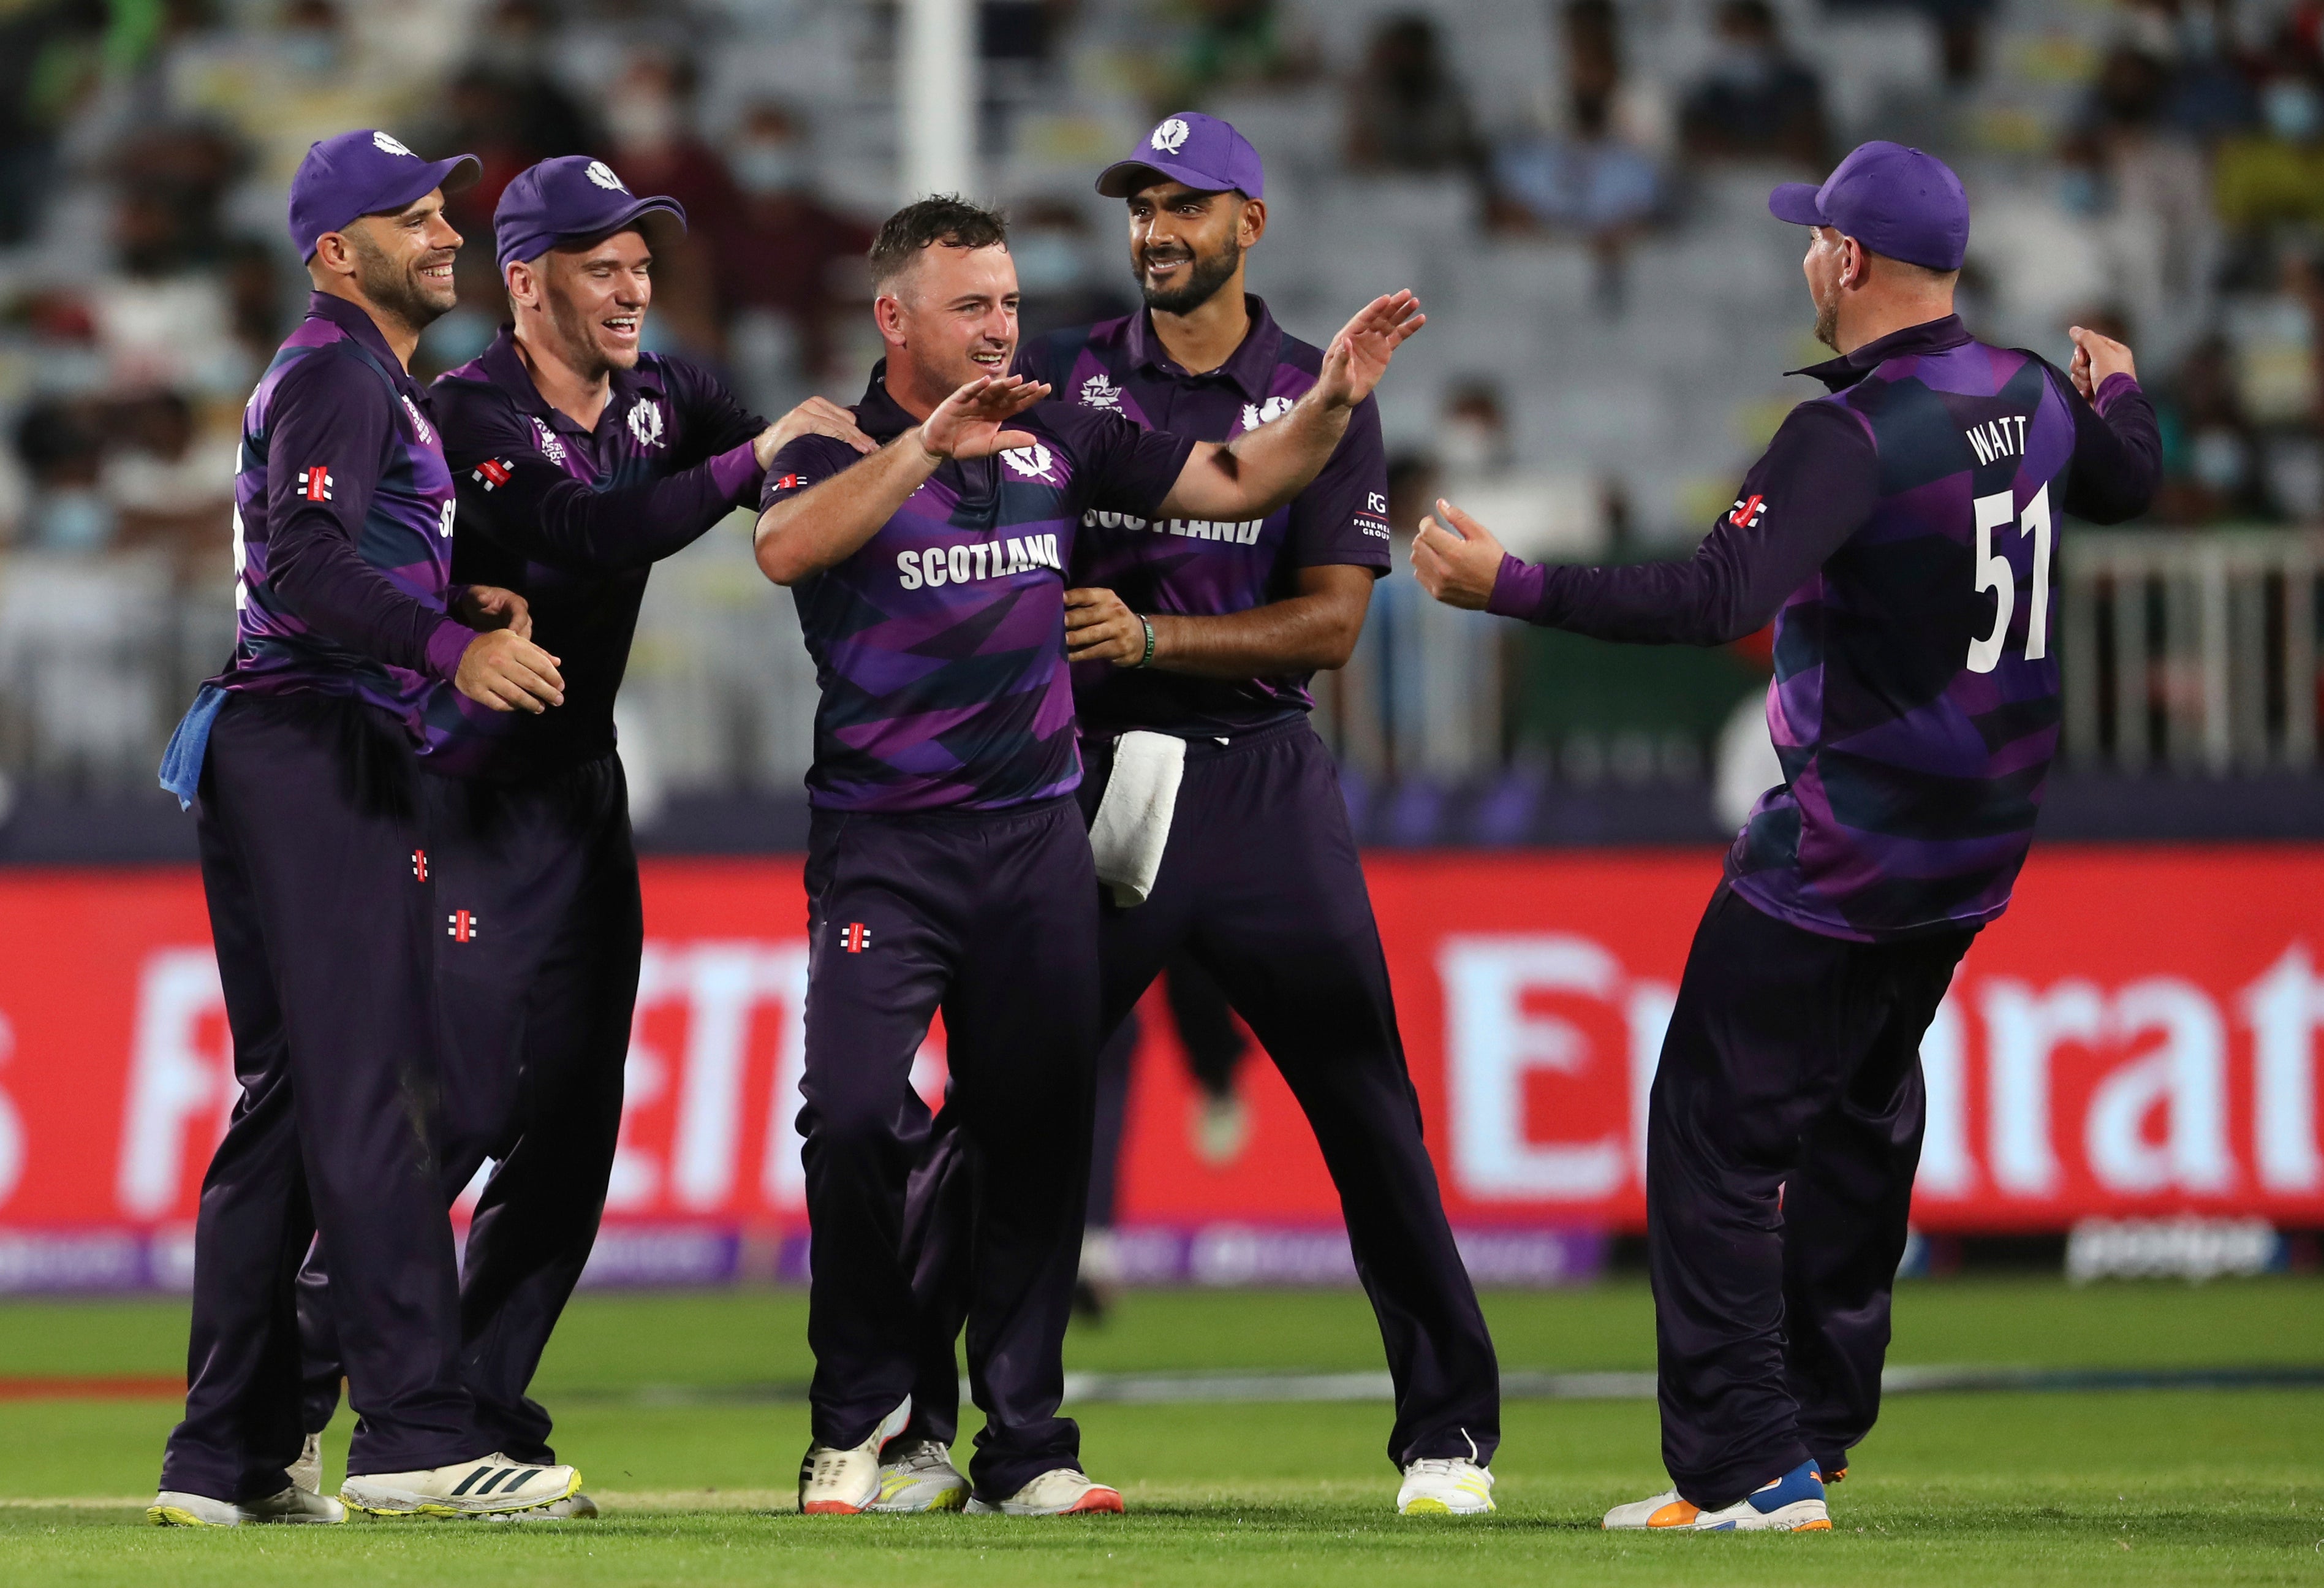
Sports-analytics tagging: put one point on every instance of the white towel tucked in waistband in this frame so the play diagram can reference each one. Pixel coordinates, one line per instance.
(1133, 819)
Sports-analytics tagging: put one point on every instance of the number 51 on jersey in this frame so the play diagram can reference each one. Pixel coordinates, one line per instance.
(1993, 573)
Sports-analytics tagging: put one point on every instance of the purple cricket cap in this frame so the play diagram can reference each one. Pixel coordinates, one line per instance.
(1895, 200)
(364, 173)
(572, 199)
(1199, 151)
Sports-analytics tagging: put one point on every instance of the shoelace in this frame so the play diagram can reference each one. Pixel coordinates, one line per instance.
(1436, 1466)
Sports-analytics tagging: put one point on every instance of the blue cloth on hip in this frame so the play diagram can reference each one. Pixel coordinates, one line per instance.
(181, 762)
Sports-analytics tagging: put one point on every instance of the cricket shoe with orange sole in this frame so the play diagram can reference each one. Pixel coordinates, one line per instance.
(1061, 1492)
(845, 1482)
(1793, 1503)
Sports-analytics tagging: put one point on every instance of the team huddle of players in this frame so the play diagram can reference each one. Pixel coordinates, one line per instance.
(1063, 601)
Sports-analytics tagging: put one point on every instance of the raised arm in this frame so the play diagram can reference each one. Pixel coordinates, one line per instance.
(830, 521)
(1810, 490)
(1261, 470)
(2117, 463)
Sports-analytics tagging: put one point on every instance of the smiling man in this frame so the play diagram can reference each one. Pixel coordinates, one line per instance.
(1199, 644)
(580, 460)
(947, 864)
(299, 756)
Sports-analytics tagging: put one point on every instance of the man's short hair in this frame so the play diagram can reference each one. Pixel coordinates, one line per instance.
(945, 220)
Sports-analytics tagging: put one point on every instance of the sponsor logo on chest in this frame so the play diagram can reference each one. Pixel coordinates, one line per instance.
(552, 445)
(976, 561)
(1244, 532)
(419, 425)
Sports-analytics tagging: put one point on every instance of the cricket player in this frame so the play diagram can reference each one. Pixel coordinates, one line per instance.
(1206, 635)
(579, 461)
(300, 758)
(947, 864)
(1901, 532)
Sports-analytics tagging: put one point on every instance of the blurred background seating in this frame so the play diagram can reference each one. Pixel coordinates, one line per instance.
(1576, 187)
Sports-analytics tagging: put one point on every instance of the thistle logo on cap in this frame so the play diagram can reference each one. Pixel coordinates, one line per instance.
(1201, 151)
(389, 143)
(1170, 136)
(603, 175)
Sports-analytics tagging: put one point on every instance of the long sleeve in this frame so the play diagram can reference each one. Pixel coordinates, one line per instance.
(2117, 463)
(1812, 488)
(330, 434)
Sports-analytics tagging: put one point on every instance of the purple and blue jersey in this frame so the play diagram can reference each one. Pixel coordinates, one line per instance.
(573, 519)
(1191, 565)
(940, 644)
(341, 524)
(1902, 531)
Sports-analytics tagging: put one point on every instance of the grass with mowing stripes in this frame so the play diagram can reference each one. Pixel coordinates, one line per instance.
(2176, 1487)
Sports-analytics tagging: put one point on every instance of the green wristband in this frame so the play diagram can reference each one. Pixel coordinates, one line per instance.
(1148, 625)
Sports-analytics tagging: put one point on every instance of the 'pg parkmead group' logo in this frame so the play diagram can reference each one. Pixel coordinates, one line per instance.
(1031, 463)
(1170, 136)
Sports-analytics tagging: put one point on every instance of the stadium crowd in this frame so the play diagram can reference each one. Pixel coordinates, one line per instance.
(1576, 185)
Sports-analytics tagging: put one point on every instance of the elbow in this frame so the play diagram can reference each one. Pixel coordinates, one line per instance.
(777, 553)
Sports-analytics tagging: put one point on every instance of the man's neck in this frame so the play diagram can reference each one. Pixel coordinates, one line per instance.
(401, 335)
(1862, 324)
(578, 397)
(1207, 335)
(916, 390)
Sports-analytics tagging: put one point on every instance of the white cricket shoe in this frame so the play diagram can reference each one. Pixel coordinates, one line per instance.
(485, 1487)
(837, 1482)
(306, 1471)
(1793, 1503)
(172, 1509)
(1061, 1492)
(1445, 1486)
(920, 1477)
(576, 1507)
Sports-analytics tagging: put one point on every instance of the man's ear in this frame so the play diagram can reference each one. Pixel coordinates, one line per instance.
(334, 256)
(1252, 226)
(888, 314)
(523, 283)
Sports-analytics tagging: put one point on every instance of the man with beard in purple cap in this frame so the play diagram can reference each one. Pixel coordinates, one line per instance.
(300, 758)
(580, 461)
(1900, 532)
(1196, 642)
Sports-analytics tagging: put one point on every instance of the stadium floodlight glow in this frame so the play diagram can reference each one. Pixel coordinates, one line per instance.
(935, 97)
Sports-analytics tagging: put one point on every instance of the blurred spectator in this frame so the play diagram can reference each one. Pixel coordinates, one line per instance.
(1027, 32)
(2273, 176)
(1756, 102)
(506, 109)
(2157, 193)
(1228, 44)
(649, 113)
(780, 249)
(49, 59)
(165, 483)
(164, 318)
(1539, 517)
(1405, 111)
(1061, 269)
(2210, 449)
(61, 444)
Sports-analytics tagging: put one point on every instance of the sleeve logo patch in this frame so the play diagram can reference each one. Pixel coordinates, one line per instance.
(1747, 512)
(1099, 391)
(492, 474)
(315, 483)
(1031, 463)
(790, 482)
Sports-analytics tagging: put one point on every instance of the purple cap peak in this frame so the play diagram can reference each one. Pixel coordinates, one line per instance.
(1897, 201)
(571, 198)
(1200, 151)
(364, 173)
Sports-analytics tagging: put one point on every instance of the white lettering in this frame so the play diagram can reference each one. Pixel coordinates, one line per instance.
(981, 553)
(173, 1081)
(1946, 1167)
(959, 559)
(934, 567)
(2021, 1028)
(908, 570)
(1649, 1010)
(11, 1125)
(1979, 445)
(1492, 1042)
(2285, 1008)
(2188, 1074)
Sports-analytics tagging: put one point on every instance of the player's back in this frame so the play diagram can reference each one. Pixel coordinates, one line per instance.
(1915, 703)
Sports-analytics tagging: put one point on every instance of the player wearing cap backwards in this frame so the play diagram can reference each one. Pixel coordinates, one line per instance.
(1900, 532)
(1198, 640)
(579, 461)
(947, 864)
(300, 757)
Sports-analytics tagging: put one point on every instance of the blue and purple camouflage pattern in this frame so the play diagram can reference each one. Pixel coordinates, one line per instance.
(940, 645)
(341, 524)
(1194, 566)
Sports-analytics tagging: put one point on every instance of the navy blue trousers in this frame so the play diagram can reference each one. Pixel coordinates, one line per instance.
(534, 1000)
(991, 916)
(1782, 1136)
(1262, 886)
(309, 823)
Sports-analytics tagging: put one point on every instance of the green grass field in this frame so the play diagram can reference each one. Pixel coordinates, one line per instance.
(662, 1403)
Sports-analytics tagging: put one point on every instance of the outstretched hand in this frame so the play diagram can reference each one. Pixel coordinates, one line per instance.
(1456, 565)
(1359, 356)
(967, 424)
(2096, 359)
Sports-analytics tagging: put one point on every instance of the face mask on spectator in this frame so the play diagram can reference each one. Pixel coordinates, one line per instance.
(71, 521)
(642, 120)
(764, 167)
(1746, 67)
(2292, 109)
(1047, 260)
(1467, 446)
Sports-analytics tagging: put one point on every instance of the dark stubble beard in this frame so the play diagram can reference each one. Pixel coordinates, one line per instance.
(1827, 326)
(393, 289)
(1202, 283)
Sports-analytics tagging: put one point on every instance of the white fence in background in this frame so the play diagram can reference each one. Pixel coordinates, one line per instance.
(2194, 650)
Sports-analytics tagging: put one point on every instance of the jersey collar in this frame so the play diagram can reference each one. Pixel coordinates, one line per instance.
(1932, 335)
(355, 320)
(879, 415)
(501, 365)
(1250, 368)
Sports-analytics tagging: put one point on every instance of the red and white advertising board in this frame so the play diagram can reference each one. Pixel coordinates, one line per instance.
(2139, 1036)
